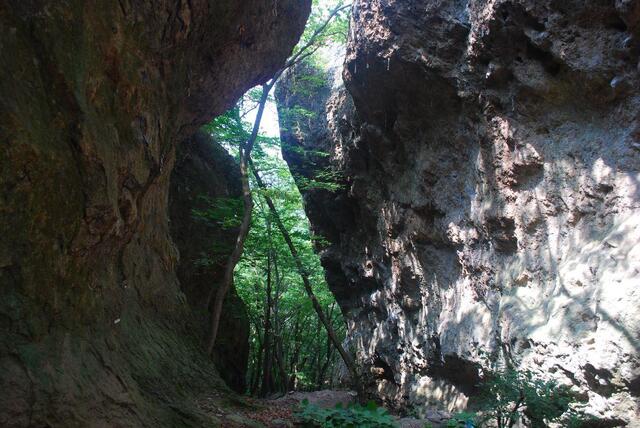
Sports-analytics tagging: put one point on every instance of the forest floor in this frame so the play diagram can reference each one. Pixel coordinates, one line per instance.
(244, 412)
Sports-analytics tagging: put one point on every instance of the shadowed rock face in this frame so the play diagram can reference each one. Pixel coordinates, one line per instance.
(205, 175)
(490, 157)
(94, 97)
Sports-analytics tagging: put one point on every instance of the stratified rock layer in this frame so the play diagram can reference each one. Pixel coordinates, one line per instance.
(490, 209)
(94, 96)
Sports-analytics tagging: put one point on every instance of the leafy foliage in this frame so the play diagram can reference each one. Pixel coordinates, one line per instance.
(225, 212)
(289, 348)
(229, 127)
(325, 179)
(511, 393)
(298, 344)
(511, 396)
(334, 33)
(308, 85)
(464, 419)
(311, 360)
(353, 416)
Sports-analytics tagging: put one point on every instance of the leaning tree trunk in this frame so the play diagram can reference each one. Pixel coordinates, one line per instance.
(327, 361)
(247, 205)
(304, 52)
(348, 361)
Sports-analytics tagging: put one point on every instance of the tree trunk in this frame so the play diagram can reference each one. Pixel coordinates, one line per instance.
(327, 361)
(245, 156)
(293, 362)
(284, 380)
(255, 372)
(267, 382)
(278, 335)
(256, 379)
(247, 205)
(351, 366)
(317, 356)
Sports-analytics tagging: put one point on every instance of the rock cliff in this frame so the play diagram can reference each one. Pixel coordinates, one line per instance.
(94, 97)
(205, 174)
(489, 160)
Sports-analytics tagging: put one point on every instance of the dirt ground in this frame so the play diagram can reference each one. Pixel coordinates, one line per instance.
(243, 412)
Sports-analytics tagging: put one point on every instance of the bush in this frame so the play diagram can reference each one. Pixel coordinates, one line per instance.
(466, 420)
(510, 394)
(353, 416)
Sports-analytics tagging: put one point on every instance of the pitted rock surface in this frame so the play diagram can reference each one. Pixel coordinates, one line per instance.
(489, 209)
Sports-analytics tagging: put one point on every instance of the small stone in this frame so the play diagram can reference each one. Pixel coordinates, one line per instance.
(497, 74)
(619, 84)
(523, 279)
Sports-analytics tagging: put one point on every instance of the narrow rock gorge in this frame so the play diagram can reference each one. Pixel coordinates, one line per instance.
(488, 155)
(101, 323)
(472, 167)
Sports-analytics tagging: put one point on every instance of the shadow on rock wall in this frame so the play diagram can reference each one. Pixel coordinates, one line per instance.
(490, 161)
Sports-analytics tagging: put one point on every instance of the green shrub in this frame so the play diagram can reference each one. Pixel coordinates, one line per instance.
(464, 419)
(353, 416)
(510, 394)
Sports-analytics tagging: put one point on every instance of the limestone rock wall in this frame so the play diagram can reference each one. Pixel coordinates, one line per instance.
(489, 153)
(94, 97)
